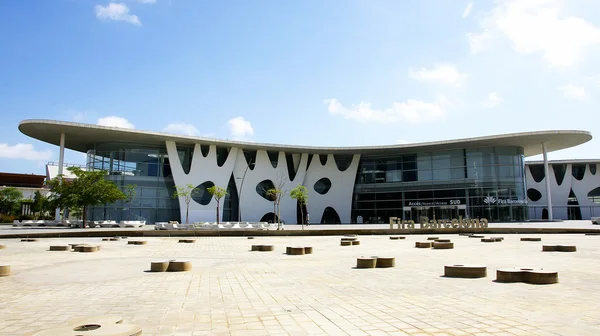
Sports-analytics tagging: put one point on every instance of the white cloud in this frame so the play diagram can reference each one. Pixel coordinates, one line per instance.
(493, 99)
(411, 111)
(113, 121)
(147, 1)
(182, 128)
(574, 92)
(443, 73)
(537, 26)
(240, 128)
(117, 12)
(467, 10)
(24, 151)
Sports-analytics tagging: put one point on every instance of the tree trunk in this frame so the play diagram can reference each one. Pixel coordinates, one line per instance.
(218, 211)
(83, 217)
(187, 213)
(275, 214)
(301, 214)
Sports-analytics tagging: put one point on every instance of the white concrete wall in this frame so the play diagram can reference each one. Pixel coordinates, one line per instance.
(560, 193)
(253, 207)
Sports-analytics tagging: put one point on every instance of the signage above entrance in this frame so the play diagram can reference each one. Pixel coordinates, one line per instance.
(425, 223)
(435, 203)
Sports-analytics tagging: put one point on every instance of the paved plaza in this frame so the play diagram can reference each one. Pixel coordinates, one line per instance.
(232, 291)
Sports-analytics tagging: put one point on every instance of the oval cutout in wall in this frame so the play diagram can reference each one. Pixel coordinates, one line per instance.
(322, 186)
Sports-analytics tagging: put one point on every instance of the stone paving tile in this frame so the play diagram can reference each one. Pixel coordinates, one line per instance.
(232, 291)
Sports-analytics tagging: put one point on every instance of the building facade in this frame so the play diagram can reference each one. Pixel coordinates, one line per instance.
(574, 188)
(474, 178)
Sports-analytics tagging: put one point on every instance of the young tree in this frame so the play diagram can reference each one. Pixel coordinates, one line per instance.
(129, 196)
(88, 188)
(186, 193)
(276, 194)
(10, 200)
(39, 204)
(300, 194)
(217, 193)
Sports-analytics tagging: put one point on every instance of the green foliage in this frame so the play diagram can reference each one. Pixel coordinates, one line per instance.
(89, 188)
(217, 193)
(300, 194)
(40, 203)
(7, 218)
(9, 200)
(130, 192)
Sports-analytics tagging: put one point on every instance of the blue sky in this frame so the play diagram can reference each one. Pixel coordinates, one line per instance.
(335, 72)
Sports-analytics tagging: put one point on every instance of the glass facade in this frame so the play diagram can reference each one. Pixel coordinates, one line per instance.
(472, 183)
(146, 168)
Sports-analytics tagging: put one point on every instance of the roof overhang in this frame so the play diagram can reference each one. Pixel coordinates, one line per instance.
(82, 137)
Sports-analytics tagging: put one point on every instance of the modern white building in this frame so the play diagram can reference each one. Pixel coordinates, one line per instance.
(574, 189)
(481, 177)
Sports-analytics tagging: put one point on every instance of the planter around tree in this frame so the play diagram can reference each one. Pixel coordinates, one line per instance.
(423, 244)
(465, 271)
(4, 270)
(59, 248)
(533, 239)
(355, 242)
(159, 266)
(442, 246)
(559, 248)
(179, 266)
(385, 262)
(366, 262)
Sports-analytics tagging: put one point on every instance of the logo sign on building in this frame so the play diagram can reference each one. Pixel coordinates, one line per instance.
(490, 200)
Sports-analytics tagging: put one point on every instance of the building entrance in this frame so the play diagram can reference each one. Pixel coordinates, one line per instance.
(447, 212)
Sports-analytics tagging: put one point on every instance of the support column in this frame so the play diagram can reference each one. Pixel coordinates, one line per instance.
(61, 159)
(547, 178)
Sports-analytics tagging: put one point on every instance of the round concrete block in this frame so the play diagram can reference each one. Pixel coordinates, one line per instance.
(498, 239)
(60, 248)
(255, 248)
(137, 242)
(30, 240)
(384, 262)
(159, 266)
(78, 247)
(568, 248)
(266, 248)
(288, 250)
(423, 244)
(443, 246)
(394, 238)
(536, 239)
(346, 243)
(442, 240)
(297, 250)
(348, 238)
(364, 262)
(187, 241)
(308, 250)
(355, 242)
(2, 246)
(488, 240)
(510, 275)
(105, 239)
(465, 271)
(433, 238)
(476, 236)
(114, 239)
(179, 266)
(88, 249)
(541, 277)
(559, 248)
(250, 237)
(4, 270)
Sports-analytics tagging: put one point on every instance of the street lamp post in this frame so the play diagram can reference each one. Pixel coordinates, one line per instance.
(251, 163)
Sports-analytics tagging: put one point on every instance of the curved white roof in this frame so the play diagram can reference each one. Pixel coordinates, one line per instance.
(81, 137)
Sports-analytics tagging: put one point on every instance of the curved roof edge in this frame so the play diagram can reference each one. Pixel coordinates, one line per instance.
(81, 137)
